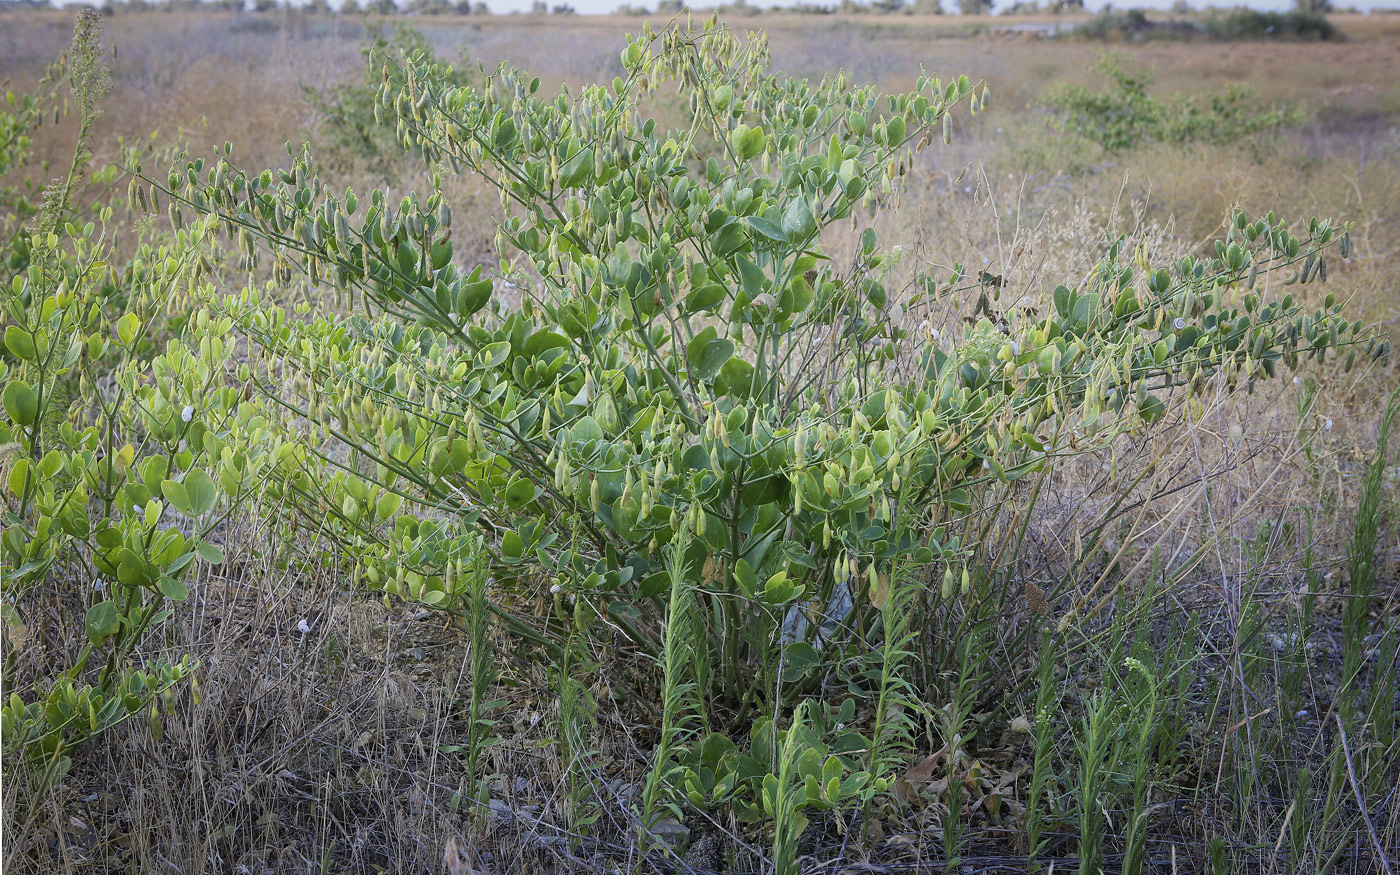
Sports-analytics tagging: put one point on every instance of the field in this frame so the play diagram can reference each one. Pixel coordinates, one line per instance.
(1141, 612)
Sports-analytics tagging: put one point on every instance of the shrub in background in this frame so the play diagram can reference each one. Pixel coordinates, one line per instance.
(1124, 116)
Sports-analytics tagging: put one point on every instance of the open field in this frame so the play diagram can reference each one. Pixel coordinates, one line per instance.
(1174, 650)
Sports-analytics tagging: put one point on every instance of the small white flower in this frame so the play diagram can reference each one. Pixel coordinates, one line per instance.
(188, 413)
(1015, 347)
(556, 589)
(1327, 426)
(302, 626)
(1296, 381)
(1179, 323)
(1301, 714)
(97, 584)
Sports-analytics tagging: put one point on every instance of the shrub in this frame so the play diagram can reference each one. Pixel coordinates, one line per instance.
(1243, 23)
(1232, 24)
(101, 440)
(1123, 115)
(348, 132)
(689, 433)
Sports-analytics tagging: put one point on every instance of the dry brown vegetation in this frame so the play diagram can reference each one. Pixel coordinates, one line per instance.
(329, 750)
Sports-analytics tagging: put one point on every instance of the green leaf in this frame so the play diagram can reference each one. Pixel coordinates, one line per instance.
(747, 141)
(201, 491)
(388, 505)
(209, 552)
(102, 622)
(798, 222)
(20, 343)
(21, 403)
(511, 545)
(771, 230)
(706, 297)
(474, 294)
(751, 275)
(578, 169)
(736, 378)
(178, 496)
(19, 477)
(127, 326)
(520, 493)
(587, 429)
(493, 354)
(711, 358)
(801, 657)
(174, 588)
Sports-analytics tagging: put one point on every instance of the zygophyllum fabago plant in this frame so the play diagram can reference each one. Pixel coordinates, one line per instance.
(688, 356)
(106, 434)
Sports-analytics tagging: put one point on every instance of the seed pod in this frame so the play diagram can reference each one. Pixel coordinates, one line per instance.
(948, 583)
(947, 129)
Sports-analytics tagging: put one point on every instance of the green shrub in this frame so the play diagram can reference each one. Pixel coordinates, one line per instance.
(1243, 23)
(1226, 25)
(688, 433)
(102, 440)
(348, 131)
(1124, 116)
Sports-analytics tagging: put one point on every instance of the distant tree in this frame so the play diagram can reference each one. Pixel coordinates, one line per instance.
(430, 7)
(1315, 6)
(975, 7)
(318, 7)
(631, 11)
(926, 7)
(1181, 7)
(381, 7)
(564, 9)
(670, 7)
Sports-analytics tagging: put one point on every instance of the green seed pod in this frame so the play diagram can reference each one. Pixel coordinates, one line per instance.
(948, 583)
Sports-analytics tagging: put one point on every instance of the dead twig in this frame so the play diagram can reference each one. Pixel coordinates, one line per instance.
(1361, 802)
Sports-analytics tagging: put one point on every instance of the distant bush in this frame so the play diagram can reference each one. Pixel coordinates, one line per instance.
(1233, 24)
(350, 131)
(1242, 24)
(1124, 115)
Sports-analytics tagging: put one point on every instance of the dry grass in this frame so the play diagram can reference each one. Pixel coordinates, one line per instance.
(332, 751)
